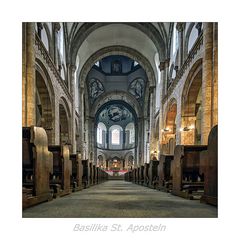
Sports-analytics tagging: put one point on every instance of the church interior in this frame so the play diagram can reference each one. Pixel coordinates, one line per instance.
(120, 119)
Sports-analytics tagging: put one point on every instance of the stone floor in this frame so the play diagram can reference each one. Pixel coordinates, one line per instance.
(116, 199)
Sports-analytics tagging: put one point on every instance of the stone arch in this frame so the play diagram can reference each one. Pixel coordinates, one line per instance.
(116, 96)
(147, 28)
(191, 105)
(130, 161)
(192, 85)
(45, 101)
(170, 113)
(117, 50)
(169, 131)
(64, 122)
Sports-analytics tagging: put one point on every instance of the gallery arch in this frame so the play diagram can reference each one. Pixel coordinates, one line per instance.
(169, 130)
(44, 105)
(191, 106)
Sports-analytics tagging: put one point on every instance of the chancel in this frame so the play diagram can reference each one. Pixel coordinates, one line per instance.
(120, 119)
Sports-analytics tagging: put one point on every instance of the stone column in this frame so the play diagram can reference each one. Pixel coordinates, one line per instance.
(152, 111)
(56, 39)
(28, 75)
(107, 138)
(163, 85)
(178, 122)
(180, 28)
(81, 122)
(124, 138)
(56, 123)
(207, 80)
(72, 70)
(215, 74)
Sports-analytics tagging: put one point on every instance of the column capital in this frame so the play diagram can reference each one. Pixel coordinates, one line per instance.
(164, 64)
(57, 26)
(72, 67)
(180, 26)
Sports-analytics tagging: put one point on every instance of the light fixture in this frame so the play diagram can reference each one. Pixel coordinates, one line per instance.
(165, 130)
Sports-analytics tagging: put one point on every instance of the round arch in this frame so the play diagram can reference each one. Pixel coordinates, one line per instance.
(64, 121)
(117, 50)
(116, 96)
(45, 101)
(147, 28)
(191, 88)
(191, 106)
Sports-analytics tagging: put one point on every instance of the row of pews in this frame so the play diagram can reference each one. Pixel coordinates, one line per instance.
(51, 171)
(190, 173)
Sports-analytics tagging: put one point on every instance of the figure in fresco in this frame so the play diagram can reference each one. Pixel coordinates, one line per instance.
(96, 88)
(136, 88)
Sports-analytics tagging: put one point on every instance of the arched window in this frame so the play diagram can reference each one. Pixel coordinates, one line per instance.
(130, 133)
(115, 140)
(116, 137)
(174, 39)
(192, 37)
(101, 130)
(61, 42)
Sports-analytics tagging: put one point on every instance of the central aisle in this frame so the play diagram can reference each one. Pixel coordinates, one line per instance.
(120, 199)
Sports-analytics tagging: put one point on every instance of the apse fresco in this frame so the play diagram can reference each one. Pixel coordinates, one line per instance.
(116, 113)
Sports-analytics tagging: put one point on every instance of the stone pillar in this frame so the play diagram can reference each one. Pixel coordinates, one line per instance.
(180, 28)
(124, 138)
(72, 70)
(163, 85)
(215, 74)
(81, 122)
(207, 80)
(178, 123)
(56, 39)
(56, 123)
(28, 75)
(139, 141)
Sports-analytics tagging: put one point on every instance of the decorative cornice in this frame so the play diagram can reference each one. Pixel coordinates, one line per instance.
(51, 65)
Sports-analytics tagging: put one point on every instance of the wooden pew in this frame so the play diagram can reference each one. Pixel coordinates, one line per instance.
(135, 175)
(91, 173)
(103, 176)
(128, 176)
(153, 173)
(185, 168)
(138, 175)
(94, 174)
(164, 173)
(145, 174)
(62, 170)
(141, 175)
(36, 167)
(77, 172)
(85, 176)
(209, 169)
